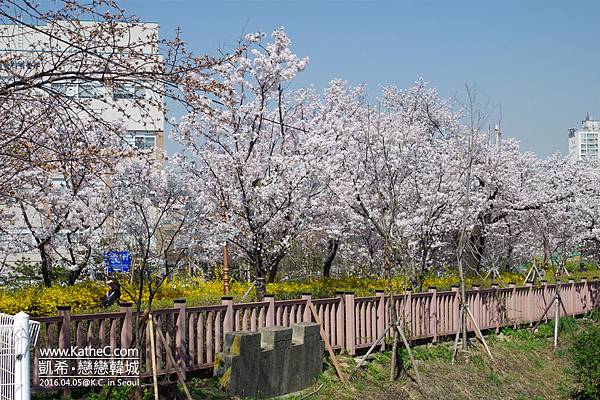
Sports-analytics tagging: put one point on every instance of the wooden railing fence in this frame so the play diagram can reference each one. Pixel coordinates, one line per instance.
(195, 334)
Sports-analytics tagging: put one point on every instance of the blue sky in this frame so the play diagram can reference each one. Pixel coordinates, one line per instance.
(539, 61)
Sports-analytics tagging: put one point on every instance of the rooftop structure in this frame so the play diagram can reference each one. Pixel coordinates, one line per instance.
(583, 141)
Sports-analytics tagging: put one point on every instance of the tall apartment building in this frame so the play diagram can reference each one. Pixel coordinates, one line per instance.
(23, 50)
(133, 104)
(583, 142)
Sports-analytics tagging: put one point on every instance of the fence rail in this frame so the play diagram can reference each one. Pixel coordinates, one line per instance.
(195, 334)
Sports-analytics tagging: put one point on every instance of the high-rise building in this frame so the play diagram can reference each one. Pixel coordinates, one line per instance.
(24, 49)
(583, 142)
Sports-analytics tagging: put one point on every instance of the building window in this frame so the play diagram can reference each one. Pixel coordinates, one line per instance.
(141, 140)
(83, 90)
(89, 90)
(66, 89)
(19, 235)
(129, 91)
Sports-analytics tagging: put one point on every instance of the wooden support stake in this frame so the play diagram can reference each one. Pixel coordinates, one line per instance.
(363, 358)
(394, 363)
(533, 272)
(458, 331)
(325, 337)
(556, 318)
(479, 334)
(177, 369)
(153, 353)
(410, 355)
(566, 314)
(543, 315)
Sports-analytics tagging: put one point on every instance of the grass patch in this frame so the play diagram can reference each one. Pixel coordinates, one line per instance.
(525, 366)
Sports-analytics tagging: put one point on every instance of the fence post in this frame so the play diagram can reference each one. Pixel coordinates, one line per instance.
(126, 326)
(22, 390)
(455, 309)
(529, 303)
(513, 303)
(571, 308)
(180, 334)
(496, 308)
(228, 319)
(339, 321)
(307, 316)
(584, 295)
(433, 312)
(350, 323)
(380, 315)
(476, 310)
(270, 318)
(64, 336)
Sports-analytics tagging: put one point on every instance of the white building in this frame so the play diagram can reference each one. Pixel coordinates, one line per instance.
(583, 142)
(135, 105)
(25, 50)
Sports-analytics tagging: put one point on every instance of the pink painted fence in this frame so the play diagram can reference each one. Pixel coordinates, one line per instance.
(195, 334)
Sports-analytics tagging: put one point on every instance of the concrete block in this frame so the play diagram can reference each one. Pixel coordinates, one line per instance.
(273, 362)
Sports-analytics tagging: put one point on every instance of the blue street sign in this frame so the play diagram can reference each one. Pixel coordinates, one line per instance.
(117, 261)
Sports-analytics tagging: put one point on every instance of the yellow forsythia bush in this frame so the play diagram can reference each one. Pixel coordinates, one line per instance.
(37, 301)
(85, 297)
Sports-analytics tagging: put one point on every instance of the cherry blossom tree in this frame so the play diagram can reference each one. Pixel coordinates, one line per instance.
(252, 153)
(68, 63)
(57, 200)
(157, 217)
(587, 211)
(378, 171)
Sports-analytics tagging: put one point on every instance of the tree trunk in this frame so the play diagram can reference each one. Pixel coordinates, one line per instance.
(474, 252)
(272, 273)
(332, 248)
(261, 288)
(259, 284)
(74, 275)
(394, 370)
(509, 264)
(46, 265)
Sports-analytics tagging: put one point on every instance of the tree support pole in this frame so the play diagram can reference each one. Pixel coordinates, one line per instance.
(177, 369)
(325, 337)
(479, 334)
(394, 360)
(566, 315)
(410, 355)
(466, 311)
(533, 272)
(153, 354)
(363, 358)
(556, 318)
(544, 314)
(458, 332)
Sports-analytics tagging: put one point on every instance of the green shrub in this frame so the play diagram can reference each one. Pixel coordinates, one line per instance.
(586, 360)
(427, 353)
(544, 331)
